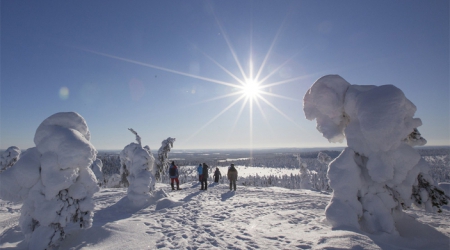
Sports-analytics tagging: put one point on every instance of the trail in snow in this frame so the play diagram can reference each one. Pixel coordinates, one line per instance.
(250, 218)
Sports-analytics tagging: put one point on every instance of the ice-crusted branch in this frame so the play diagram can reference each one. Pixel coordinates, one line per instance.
(138, 138)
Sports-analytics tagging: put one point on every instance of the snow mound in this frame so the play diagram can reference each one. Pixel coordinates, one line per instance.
(167, 203)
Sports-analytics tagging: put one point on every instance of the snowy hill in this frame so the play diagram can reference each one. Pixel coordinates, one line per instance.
(250, 218)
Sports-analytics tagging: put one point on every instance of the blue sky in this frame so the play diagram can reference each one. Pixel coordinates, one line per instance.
(167, 68)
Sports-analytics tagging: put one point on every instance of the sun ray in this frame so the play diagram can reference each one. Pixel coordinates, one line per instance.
(223, 68)
(266, 120)
(279, 111)
(214, 118)
(287, 80)
(251, 47)
(239, 113)
(163, 69)
(263, 114)
(270, 50)
(251, 128)
(279, 67)
(279, 96)
(225, 36)
(217, 98)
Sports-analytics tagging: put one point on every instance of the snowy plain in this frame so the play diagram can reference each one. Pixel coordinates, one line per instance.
(250, 218)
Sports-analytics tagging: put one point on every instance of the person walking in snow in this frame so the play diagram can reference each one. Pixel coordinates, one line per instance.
(173, 174)
(204, 181)
(217, 175)
(232, 176)
(200, 171)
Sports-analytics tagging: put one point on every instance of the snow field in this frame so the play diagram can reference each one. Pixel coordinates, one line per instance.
(250, 218)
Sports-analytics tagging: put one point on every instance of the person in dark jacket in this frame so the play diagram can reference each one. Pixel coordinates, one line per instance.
(232, 176)
(173, 174)
(204, 177)
(217, 175)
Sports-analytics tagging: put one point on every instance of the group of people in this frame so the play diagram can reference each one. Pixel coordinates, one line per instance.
(202, 171)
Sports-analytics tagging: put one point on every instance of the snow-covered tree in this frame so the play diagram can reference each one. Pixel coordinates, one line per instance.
(96, 168)
(374, 177)
(322, 179)
(54, 181)
(137, 167)
(162, 163)
(113, 181)
(9, 158)
(305, 176)
(427, 195)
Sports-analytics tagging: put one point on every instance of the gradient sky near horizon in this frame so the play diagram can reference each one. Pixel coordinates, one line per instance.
(173, 68)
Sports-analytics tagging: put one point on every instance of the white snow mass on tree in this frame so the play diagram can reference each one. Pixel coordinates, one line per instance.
(137, 167)
(162, 163)
(9, 158)
(96, 168)
(305, 175)
(373, 178)
(54, 180)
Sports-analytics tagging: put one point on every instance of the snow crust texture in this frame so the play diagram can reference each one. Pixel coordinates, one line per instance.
(372, 178)
(54, 181)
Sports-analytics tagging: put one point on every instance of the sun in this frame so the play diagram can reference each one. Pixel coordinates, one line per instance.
(251, 88)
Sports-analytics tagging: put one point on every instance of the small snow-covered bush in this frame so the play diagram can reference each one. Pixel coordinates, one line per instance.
(9, 158)
(54, 181)
(379, 173)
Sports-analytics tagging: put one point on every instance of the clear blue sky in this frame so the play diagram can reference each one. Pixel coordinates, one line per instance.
(159, 66)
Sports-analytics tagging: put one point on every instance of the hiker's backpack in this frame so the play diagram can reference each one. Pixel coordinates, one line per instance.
(173, 171)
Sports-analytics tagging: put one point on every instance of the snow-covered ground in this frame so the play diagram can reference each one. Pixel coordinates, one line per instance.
(250, 218)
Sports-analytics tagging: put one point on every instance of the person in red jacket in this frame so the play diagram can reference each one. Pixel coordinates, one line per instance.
(173, 174)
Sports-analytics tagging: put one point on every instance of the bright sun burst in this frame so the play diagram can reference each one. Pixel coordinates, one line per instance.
(251, 89)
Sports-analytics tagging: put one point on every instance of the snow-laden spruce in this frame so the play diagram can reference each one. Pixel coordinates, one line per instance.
(9, 158)
(137, 170)
(305, 175)
(96, 168)
(321, 179)
(162, 163)
(54, 181)
(379, 173)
